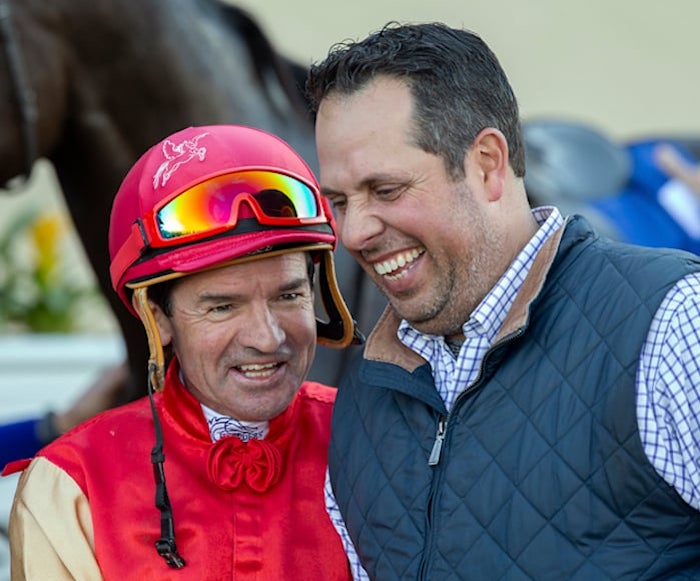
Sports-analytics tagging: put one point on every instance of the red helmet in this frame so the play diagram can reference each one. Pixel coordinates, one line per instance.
(188, 158)
(209, 196)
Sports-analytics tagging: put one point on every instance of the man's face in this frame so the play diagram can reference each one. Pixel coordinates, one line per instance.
(431, 244)
(244, 334)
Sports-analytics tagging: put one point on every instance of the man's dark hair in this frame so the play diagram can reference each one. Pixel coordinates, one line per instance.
(458, 86)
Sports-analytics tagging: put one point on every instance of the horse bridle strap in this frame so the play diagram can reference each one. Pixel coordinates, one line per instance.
(26, 97)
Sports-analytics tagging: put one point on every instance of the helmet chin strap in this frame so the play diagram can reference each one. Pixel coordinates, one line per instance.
(156, 365)
(165, 545)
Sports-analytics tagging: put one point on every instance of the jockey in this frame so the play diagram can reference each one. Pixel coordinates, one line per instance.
(215, 235)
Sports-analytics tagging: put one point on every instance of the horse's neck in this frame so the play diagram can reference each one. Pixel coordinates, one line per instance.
(176, 63)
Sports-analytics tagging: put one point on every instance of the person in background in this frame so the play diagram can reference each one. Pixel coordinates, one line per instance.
(528, 406)
(215, 234)
(23, 438)
(678, 167)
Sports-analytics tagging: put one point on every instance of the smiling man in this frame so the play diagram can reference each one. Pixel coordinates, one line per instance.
(527, 407)
(215, 234)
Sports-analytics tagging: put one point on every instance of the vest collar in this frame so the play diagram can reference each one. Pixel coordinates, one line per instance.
(384, 346)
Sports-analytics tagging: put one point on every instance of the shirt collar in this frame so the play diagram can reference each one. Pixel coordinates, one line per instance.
(221, 425)
(489, 315)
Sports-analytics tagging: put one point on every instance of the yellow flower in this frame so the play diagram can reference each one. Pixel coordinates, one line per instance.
(46, 232)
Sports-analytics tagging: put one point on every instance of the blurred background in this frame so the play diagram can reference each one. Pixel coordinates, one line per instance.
(624, 69)
(628, 67)
(597, 81)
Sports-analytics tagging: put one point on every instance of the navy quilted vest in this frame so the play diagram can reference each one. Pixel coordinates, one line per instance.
(542, 474)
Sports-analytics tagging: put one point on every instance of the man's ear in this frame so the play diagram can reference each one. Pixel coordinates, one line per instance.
(165, 327)
(487, 160)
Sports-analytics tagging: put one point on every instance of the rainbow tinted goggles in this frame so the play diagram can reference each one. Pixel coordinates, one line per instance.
(217, 205)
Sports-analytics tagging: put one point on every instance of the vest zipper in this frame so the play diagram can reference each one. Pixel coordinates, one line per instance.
(439, 439)
(436, 451)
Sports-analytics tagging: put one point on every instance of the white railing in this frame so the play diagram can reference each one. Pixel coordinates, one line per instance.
(42, 372)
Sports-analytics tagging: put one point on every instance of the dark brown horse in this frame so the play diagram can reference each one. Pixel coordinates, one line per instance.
(91, 84)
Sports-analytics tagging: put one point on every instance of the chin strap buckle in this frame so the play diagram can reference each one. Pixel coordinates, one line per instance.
(166, 548)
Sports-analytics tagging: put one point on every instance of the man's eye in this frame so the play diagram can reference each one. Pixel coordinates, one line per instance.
(389, 192)
(337, 203)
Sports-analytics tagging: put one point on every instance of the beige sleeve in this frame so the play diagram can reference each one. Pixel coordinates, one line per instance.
(51, 534)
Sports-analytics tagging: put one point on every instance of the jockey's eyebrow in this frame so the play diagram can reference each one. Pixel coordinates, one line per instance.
(293, 285)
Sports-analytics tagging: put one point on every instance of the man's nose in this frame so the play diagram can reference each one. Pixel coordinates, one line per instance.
(262, 330)
(358, 226)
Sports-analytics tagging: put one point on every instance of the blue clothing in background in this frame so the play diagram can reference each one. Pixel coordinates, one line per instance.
(654, 210)
(19, 440)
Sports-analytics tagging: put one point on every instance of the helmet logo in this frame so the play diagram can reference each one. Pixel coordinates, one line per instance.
(177, 154)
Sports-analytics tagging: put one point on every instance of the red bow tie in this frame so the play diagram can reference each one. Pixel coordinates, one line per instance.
(231, 462)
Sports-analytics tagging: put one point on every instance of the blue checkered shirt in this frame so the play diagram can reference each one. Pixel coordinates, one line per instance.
(668, 378)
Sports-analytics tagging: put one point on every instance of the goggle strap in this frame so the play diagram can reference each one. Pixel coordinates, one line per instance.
(128, 253)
